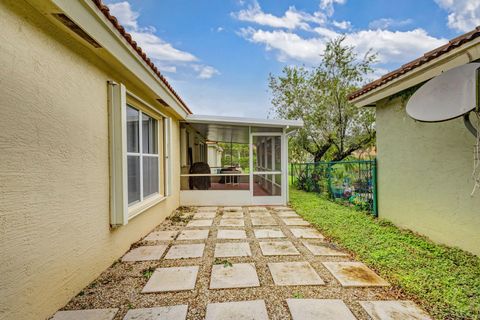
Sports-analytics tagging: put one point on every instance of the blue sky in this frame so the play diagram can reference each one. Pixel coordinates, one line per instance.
(218, 53)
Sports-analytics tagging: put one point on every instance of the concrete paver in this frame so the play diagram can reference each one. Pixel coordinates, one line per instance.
(237, 275)
(354, 274)
(145, 253)
(185, 251)
(246, 310)
(231, 234)
(193, 235)
(278, 248)
(178, 312)
(172, 279)
(90, 314)
(232, 249)
(294, 274)
(394, 310)
(316, 309)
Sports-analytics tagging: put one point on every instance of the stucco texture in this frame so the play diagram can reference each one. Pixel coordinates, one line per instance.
(54, 167)
(424, 177)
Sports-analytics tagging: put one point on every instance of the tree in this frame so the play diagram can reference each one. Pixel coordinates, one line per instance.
(334, 127)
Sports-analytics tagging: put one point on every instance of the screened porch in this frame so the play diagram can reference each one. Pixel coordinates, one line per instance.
(234, 161)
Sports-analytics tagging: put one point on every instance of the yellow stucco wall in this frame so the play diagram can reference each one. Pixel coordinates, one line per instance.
(54, 167)
(424, 177)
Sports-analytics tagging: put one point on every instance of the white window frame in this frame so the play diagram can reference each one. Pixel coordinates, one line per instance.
(120, 211)
(141, 155)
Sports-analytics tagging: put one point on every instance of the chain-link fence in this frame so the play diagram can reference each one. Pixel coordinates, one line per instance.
(351, 182)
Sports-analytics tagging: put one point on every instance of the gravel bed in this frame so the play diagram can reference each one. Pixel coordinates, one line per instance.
(120, 285)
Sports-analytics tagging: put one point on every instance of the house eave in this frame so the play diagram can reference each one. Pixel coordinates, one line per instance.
(467, 53)
(241, 121)
(91, 19)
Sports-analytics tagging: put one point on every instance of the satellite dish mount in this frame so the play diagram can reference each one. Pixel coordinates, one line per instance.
(453, 94)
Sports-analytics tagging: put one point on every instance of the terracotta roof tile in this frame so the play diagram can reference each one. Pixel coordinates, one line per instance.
(128, 37)
(429, 56)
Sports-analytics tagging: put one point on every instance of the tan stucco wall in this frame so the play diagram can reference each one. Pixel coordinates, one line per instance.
(424, 177)
(54, 178)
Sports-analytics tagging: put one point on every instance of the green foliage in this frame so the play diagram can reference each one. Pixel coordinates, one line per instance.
(147, 273)
(298, 295)
(334, 127)
(235, 153)
(446, 281)
(225, 262)
(181, 215)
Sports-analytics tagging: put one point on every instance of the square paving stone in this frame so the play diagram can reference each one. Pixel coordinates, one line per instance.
(161, 236)
(264, 222)
(294, 274)
(232, 209)
(90, 314)
(269, 233)
(260, 215)
(233, 214)
(295, 222)
(204, 215)
(193, 235)
(200, 223)
(145, 253)
(232, 249)
(354, 274)
(306, 233)
(288, 214)
(278, 248)
(319, 249)
(324, 309)
(242, 310)
(257, 209)
(158, 313)
(172, 279)
(185, 251)
(237, 275)
(393, 310)
(226, 222)
(231, 234)
(207, 209)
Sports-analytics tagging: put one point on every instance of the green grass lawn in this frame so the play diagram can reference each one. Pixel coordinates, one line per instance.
(445, 281)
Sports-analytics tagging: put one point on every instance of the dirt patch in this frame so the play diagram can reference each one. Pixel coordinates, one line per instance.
(359, 273)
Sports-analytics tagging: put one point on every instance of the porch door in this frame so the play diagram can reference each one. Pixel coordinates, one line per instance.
(267, 168)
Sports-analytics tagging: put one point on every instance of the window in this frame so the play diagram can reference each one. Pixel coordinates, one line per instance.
(140, 149)
(142, 156)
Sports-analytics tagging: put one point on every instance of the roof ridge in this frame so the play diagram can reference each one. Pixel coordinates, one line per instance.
(128, 37)
(426, 57)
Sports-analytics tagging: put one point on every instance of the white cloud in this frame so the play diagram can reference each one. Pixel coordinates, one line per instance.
(327, 5)
(167, 68)
(205, 72)
(292, 19)
(388, 23)
(464, 15)
(125, 15)
(392, 47)
(288, 45)
(166, 56)
(343, 25)
(160, 50)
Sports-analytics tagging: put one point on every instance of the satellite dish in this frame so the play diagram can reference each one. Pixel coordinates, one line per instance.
(448, 96)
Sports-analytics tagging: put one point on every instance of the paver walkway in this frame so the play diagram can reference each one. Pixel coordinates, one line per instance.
(253, 263)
